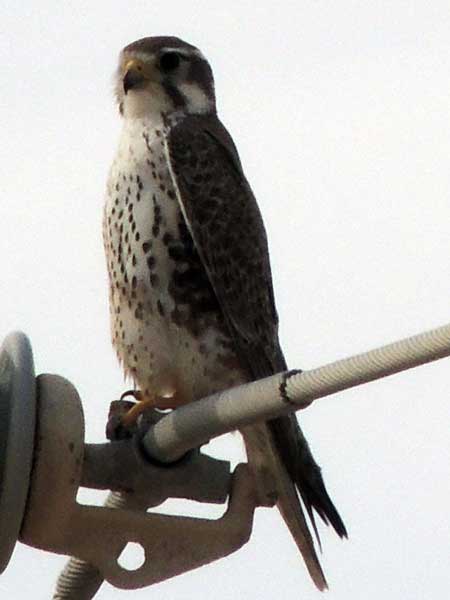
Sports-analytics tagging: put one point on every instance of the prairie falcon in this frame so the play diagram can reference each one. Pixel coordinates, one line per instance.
(191, 297)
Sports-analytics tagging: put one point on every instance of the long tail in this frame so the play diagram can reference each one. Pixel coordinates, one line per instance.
(283, 464)
(305, 472)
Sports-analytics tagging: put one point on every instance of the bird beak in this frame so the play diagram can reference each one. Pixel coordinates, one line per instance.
(134, 75)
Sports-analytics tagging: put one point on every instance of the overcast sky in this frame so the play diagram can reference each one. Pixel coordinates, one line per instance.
(341, 115)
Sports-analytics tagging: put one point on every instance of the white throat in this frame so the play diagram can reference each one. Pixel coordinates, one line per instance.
(148, 104)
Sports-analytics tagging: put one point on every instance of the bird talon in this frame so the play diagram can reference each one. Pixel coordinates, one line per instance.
(131, 416)
(147, 403)
(136, 394)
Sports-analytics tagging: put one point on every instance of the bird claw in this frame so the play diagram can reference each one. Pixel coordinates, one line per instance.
(136, 394)
(120, 426)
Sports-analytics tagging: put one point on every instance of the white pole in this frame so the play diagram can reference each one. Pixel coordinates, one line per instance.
(196, 423)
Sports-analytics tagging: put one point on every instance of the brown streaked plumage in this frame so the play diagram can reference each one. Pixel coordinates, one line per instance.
(192, 304)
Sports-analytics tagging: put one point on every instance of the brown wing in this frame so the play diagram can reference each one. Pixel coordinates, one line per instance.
(226, 225)
(228, 232)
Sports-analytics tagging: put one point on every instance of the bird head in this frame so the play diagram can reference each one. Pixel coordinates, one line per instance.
(163, 75)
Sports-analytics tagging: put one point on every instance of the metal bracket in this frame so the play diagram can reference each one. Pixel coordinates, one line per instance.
(55, 522)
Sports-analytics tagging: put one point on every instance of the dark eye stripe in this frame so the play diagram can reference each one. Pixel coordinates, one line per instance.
(178, 100)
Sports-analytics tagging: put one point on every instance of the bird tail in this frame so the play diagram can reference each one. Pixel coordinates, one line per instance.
(282, 461)
(305, 472)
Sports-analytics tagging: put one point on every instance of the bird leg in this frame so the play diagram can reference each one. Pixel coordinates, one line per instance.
(146, 401)
(129, 418)
(123, 414)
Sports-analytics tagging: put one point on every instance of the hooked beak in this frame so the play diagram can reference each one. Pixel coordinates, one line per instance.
(134, 75)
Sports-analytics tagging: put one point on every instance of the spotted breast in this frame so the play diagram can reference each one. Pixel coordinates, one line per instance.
(166, 324)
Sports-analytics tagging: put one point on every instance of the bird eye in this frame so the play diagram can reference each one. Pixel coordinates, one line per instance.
(169, 61)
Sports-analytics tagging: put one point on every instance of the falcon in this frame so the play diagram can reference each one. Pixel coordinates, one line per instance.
(191, 298)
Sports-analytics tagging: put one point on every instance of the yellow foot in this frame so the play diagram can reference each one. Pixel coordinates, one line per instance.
(145, 402)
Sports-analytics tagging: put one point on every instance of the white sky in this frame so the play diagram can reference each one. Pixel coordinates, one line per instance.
(352, 99)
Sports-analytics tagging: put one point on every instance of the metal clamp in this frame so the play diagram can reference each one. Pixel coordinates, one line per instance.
(55, 522)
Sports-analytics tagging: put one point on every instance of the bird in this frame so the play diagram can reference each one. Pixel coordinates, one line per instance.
(191, 298)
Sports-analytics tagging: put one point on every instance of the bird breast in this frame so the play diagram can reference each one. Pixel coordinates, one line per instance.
(166, 324)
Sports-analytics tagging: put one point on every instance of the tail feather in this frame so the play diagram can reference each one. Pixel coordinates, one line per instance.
(274, 484)
(282, 462)
(305, 472)
(293, 516)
